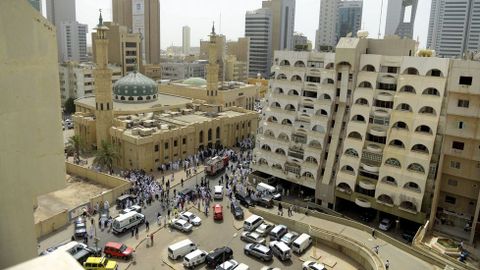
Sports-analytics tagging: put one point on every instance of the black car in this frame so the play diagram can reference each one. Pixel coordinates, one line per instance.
(244, 200)
(367, 216)
(237, 211)
(408, 235)
(265, 201)
(218, 256)
(80, 228)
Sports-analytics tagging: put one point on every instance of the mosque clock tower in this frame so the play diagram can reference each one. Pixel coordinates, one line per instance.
(103, 86)
(212, 69)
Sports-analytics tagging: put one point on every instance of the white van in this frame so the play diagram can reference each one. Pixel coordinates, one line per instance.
(281, 250)
(218, 193)
(194, 258)
(181, 249)
(271, 190)
(129, 220)
(301, 243)
(252, 222)
(277, 232)
(242, 266)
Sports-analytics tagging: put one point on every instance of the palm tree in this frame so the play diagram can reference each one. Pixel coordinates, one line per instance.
(106, 156)
(74, 146)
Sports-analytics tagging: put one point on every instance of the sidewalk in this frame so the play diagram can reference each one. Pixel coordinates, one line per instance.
(398, 258)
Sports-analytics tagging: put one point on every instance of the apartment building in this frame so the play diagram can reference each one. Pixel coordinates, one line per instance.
(183, 70)
(356, 129)
(456, 204)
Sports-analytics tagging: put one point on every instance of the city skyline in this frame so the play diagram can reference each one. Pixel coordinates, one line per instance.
(200, 16)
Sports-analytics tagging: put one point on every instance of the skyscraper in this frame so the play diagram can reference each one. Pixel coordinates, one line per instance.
(401, 18)
(258, 27)
(349, 18)
(60, 11)
(186, 39)
(141, 16)
(72, 40)
(325, 36)
(454, 27)
(283, 23)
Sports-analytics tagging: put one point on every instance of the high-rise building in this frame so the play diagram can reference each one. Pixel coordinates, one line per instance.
(349, 18)
(325, 39)
(183, 70)
(37, 4)
(401, 18)
(301, 42)
(60, 11)
(124, 48)
(186, 39)
(456, 204)
(258, 27)
(31, 148)
(141, 16)
(283, 23)
(454, 28)
(72, 40)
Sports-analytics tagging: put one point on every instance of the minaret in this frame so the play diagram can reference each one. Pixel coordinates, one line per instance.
(103, 85)
(212, 68)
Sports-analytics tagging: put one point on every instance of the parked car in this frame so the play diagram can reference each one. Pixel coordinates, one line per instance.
(100, 263)
(289, 237)
(181, 225)
(236, 210)
(385, 224)
(219, 255)
(191, 217)
(264, 228)
(311, 265)
(252, 237)
(194, 258)
(217, 212)
(227, 265)
(367, 216)
(122, 200)
(80, 228)
(260, 251)
(265, 201)
(80, 251)
(119, 250)
(244, 200)
(136, 208)
(408, 235)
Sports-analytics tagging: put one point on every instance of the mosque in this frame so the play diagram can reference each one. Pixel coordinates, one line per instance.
(150, 127)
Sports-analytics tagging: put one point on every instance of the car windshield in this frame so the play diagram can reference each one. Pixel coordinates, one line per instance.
(123, 248)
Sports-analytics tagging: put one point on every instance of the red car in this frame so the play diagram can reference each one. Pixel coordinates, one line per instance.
(119, 250)
(217, 212)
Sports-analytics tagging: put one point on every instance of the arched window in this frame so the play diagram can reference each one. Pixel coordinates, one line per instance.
(400, 125)
(431, 92)
(420, 148)
(122, 98)
(307, 175)
(283, 137)
(404, 107)
(369, 68)
(209, 134)
(351, 152)
(293, 92)
(424, 129)
(434, 73)
(290, 107)
(408, 89)
(411, 71)
(200, 136)
(427, 110)
(263, 161)
(280, 151)
(315, 144)
(154, 96)
(318, 128)
(408, 206)
(286, 122)
(355, 135)
(397, 143)
(361, 101)
(266, 147)
(284, 63)
(329, 66)
(347, 169)
(393, 162)
(384, 198)
(365, 84)
(131, 98)
(277, 166)
(299, 64)
(273, 105)
(311, 160)
(321, 112)
(358, 118)
(272, 119)
(281, 76)
(267, 133)
(218, 133)
(344, 187)
(139, 98)
(389, 180)
(412, 186)
(325, 97)
(148, 98)
(328, 81)
(296, 78)
(278, 90)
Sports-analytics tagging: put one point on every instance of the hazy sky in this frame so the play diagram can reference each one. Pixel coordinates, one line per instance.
(199, 14)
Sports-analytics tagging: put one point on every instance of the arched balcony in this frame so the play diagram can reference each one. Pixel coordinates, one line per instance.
(412, 186)
(397, 143)
(358, 118)
(318, 128)
(311, 159)
(400, 125)
(355, 135)
(275, 105)
(409, 206)
(272, 119)
(420, 148)
(266, 147)
(287, 122)
(424, 129)
(351, 153)
(389, 180)
(278, 90)
(296, 78)
(365, 84)
(283, 137)
(285, 63)
(315, 144)
(385, 199)
(344, 187)
(307, 175)
(299, 63)
(369, 68)
(325, 97)
(280, 151)
(434, 73)
(404, 107)
(362, 101)
(329, 66)
(293, 92)
(328, 81)
(411, 71)
(393, 162)
(321, 112)
(427, 110)
(415, 167)
(269, 133)
(290, 107)
(281, 76)
(348, 169)
(431, 92)
(262, 161)
(277, 166)
(408, 89)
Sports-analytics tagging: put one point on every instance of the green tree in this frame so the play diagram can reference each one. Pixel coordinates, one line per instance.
(106, 156)
(69, 106)
(74, 146)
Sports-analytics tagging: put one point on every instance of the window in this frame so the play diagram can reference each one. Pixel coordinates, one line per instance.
(463, 103)
(460, 125)
(465, 80)
(339, 76)
(452, 182)
(458, 145)
(166, 145)
(175, 143)
(157, 148)
(455, 164)
(450, 199)
(184, 141)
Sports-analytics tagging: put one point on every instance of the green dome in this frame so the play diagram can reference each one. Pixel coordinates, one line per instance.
(195, 81)
(135, 87)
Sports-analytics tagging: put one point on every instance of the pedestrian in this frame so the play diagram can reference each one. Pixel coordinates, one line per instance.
(151, 239)
(181, 182)
(136, 232)
(280, 209)
(375, 248)
(373, 233)
(147, 225)
(387, 265)
(133, 231)
(159, 219)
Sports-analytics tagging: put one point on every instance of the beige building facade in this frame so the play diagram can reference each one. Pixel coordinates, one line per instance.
(31, 149)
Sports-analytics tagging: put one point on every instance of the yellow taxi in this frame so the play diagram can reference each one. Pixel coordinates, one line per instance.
(99, 263)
